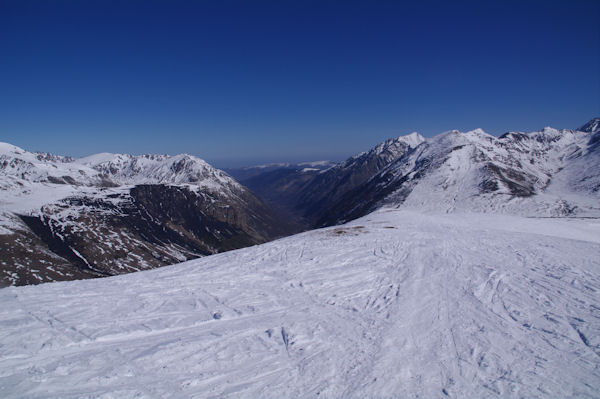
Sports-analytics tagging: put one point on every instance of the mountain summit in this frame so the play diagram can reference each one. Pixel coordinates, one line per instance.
(593, 126)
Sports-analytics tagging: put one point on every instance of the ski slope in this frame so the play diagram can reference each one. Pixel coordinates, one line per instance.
(395, 304)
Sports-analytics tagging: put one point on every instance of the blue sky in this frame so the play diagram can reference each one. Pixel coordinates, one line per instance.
(245, 82)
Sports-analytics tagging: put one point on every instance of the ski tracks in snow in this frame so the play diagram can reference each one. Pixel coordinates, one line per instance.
(396, 304)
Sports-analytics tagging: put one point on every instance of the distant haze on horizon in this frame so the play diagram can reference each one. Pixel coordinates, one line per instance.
(243, 83)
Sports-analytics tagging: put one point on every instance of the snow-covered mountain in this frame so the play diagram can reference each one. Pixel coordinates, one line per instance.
(593, 126)
(329, 187)
(105, 169)
(545, 173)
(307, 193)
(398, 304)
(64, 218)
(86, 216)
(448, 289)
(159, 169)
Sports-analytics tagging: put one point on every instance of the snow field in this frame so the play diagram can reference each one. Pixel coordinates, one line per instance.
(395, 304)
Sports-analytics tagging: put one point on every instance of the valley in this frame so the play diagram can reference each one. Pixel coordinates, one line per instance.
(458, 265)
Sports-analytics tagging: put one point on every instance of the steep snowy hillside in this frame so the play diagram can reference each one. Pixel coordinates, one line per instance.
(328, 187)
(581, 173)
(307, 193)
(109, 214)
(25, 178)
(398, 304)
(545, 173)
(159, 169)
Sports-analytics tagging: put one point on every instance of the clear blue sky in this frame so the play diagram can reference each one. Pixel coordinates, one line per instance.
(244, 82)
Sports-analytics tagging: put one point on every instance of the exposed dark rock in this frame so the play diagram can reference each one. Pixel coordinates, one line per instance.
(309, 197)
(149, 226)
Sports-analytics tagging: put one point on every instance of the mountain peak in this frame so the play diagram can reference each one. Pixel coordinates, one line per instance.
(592, 126)
(413, 139)
(6, 148)
(477, 131)
(549, 129)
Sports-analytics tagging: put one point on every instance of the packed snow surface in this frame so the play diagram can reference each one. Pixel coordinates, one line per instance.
(395, 304)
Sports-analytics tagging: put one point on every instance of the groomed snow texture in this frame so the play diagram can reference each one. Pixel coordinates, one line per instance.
(395, 304)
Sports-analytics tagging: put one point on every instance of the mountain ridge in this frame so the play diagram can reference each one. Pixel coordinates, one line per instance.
(305, 195)
(556, 169)
(106, 214)
(58, 205)
(478, 171)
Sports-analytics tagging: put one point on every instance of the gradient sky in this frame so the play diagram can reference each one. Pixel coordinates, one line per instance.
(246, 82)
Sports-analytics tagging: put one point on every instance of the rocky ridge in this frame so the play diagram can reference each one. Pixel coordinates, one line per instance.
(108, 214)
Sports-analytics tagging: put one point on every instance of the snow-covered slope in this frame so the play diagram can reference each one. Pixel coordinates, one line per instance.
(35, 176)
(64, 218)
(544, 173)
(398, 304)
(309, 196)
(28, 180)
(581, 173)
(305, 191)
(158, 169)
